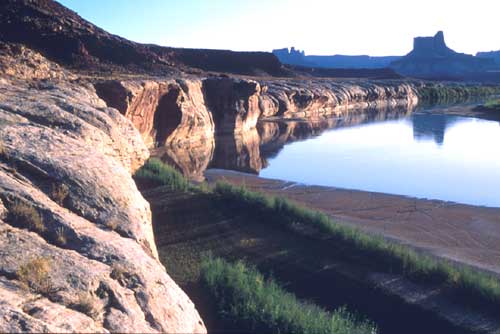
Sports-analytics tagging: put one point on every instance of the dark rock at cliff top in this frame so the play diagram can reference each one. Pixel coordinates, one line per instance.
(63, 36)
(431, 58)
(367, 73)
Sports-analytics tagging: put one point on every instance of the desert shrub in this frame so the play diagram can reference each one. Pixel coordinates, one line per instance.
(87, 304)
(162, 174)
(119, 273)
(59, 193)
(25, 215)
(260, 305)
(61, 238)
(112, 223)
(35, 275)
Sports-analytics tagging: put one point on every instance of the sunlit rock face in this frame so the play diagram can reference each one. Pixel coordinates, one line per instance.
(234, 103)
(308, 99)
(196, 123)
(165, 112)
(95, 240)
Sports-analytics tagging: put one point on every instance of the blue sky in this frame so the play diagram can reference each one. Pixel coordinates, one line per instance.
(382, 27)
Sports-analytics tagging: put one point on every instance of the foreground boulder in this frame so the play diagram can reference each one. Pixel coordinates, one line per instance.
(78, 252)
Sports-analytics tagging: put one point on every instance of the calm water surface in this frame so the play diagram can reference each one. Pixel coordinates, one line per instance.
(427, 155)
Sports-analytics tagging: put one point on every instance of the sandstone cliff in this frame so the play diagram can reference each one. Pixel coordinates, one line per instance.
(194, 109)
(78, 252)
(194, 123)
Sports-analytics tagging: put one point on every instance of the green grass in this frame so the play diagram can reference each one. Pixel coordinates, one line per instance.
(475, 288)
(256, 304)
(157, 172)
(493, 104)
(434, 92)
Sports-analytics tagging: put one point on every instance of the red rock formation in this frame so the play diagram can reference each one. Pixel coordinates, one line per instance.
(166, 112)
(234, 103)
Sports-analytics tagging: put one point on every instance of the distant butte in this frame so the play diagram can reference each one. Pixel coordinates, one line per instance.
(431, 58)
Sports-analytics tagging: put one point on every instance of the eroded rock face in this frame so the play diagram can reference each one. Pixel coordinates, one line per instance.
(196, 123)
(190, 109)
(169, 112)
(94, 235)
(234, 103)
(318, 98)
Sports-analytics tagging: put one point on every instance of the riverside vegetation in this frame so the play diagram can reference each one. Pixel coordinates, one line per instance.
(464, 284)
(493, 104)
(447, 93)
(258, 304)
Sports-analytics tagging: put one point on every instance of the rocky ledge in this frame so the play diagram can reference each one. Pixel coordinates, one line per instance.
(78, 252)
(184, 117)
(193, 109)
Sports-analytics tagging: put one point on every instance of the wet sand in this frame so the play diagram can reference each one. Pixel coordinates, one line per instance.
(463, 233)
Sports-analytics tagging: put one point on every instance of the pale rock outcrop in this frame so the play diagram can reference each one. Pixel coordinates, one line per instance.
(309, 99)
(187, 110)
(166, 112)
(234, 103)
(95, 237)
(136, 100)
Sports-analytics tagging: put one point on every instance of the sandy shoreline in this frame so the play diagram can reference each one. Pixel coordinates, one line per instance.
(463, 233)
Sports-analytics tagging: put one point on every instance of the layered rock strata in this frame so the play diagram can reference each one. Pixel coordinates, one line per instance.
(191, 109)
(78, 251)
(195, 123)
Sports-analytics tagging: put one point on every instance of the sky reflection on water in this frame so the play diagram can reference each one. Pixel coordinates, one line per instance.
(427, 155)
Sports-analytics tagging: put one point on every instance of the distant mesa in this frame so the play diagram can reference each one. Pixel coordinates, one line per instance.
(431, 47)
(431, 58)
(491, 54)
(298, 57)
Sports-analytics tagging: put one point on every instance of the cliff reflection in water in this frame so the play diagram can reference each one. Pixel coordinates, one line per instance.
(189, 157)
(432, 126)
(248, 151)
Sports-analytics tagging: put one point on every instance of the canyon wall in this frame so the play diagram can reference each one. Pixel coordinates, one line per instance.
(78, 251)
(189, 110)
(196, 123)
